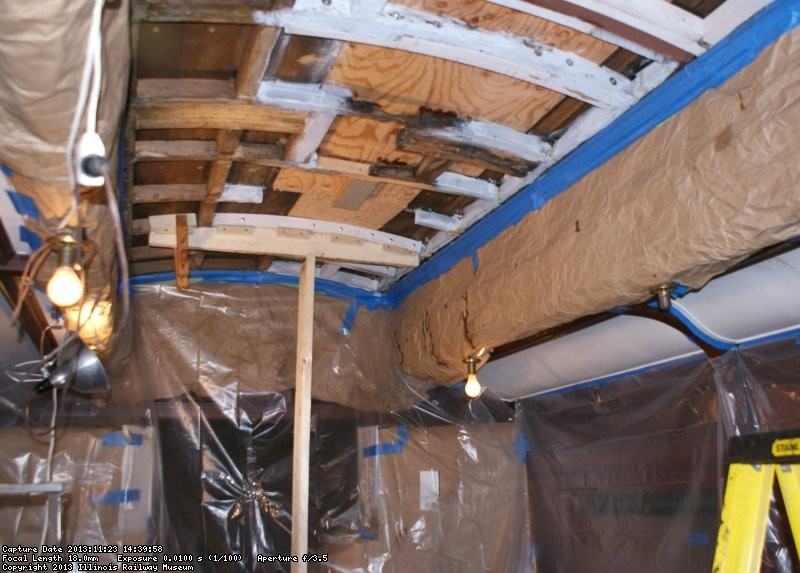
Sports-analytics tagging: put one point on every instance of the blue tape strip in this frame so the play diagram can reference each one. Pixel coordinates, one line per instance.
(367, 299)
(390, 447)
(700, 539)
(702, 335)
(6, 170)
(120, 439)
(522, 446)
(23, 204)
(350, 317)
(118, 496)
(28, 236)
(706, 72)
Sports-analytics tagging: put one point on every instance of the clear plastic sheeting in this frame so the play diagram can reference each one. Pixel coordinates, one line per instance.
(403, 476)
(630, 475)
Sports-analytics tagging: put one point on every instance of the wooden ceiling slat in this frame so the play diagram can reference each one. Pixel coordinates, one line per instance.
(168, 193)
(216, 114)
(256, 59)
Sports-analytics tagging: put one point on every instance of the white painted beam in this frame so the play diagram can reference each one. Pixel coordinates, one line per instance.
(729, 16)
(289, 243)
(304, 146)
(656, 18)
(312, 98)
(433, 220)
(312, 225)
(578, 25)
(418, 32)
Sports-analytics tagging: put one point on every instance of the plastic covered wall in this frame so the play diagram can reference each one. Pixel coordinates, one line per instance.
(629, 475)
(403, 477)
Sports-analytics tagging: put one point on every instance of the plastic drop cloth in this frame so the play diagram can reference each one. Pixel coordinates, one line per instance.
(106, 454)
(403, 476)
(630, 475)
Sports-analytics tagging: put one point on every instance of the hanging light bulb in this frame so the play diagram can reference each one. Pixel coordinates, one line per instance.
(65, 287)
(473, 387)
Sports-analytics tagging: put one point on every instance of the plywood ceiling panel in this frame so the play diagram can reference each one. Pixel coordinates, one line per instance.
(379, 208)
(298, 181)
(363, 139)
(402, 83)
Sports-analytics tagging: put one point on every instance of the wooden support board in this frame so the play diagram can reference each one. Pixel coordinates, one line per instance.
(301, 453)
(288, 243)
(181, 252)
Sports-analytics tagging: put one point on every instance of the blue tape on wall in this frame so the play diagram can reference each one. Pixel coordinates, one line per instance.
(367, 299)
(522, 446)
(28, 236)
(702, 335)
(349, 318)
(23, 204)
(118, 496)
(120, 439)
(388, 448)
(706, 72)
(6, 170)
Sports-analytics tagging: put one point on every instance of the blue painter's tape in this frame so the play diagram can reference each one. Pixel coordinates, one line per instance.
(118, 496)
(721, 62)
(367, 299)
(6, 170)
(522, 446)
(120, 439)
(474, 262)
(350, 317)
(390, 447)
(701, 334)
(700, 539)
(28, 236)
(23, 204)
(364, 534)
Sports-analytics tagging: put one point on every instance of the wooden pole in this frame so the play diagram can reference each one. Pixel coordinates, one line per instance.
(302, 414)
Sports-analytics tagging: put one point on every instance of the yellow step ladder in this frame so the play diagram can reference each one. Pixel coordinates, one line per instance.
(754, 462)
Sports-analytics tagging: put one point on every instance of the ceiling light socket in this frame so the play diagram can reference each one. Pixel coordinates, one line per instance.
(91, 154)
(663, 294)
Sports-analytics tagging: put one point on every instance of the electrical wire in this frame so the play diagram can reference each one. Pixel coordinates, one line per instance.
(49, 464)
(90, 68)
(119, 240)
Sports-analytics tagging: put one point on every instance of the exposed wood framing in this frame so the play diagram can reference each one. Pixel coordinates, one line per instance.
(304, 146)
(580, 26)
(657, 19)
(257, 56)
(450, 183)
(214, 114)
(406, 29)
(301, 454)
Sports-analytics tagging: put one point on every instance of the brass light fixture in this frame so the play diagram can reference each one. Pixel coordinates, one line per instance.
(473, 387)
(663, 293)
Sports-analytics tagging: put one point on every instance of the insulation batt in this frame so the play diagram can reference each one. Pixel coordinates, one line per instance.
(694, 196)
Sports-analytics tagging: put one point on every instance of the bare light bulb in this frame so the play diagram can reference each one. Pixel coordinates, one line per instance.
(65, 287)
(473, 388)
